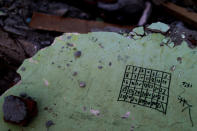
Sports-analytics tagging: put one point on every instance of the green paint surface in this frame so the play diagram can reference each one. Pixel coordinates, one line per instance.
(158, 26)
(49, 79)
(139, 30)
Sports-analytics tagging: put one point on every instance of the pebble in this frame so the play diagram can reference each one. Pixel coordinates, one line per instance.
(49, 123)
(82, 84)
(77, 54)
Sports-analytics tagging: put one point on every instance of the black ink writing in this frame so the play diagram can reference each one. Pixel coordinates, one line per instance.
(146, 87)
(186, 106)
(186, 84)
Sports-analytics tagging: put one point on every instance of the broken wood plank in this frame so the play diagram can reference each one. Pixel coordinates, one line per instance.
(182, 13)
(56, 23)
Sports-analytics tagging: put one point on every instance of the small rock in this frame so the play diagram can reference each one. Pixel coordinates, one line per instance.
(100, 67)
(179, 59)
(159, 27)
(82, 84)
(18, 110)
(77, 54)
(49, 123)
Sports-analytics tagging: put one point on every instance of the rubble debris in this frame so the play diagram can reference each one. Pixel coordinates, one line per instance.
(180, 33)
(123, 10)
(159, 27)
(19, 110)
(165, 41)
(136, 37)
(15, 50)
(181, 13)
(139, 31)
(171, 44)
(59, 24)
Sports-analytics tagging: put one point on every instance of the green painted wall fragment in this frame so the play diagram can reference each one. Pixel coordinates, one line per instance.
(139, 30)
(158, 26)
(54, 77)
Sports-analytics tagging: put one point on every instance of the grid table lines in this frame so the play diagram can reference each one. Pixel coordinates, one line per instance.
(145, 87)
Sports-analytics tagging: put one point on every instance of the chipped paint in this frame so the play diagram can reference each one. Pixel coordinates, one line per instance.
(159, 27)
(139, 31)
(33, 61)
(95, 112)
(46, 82)
(126, 115)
